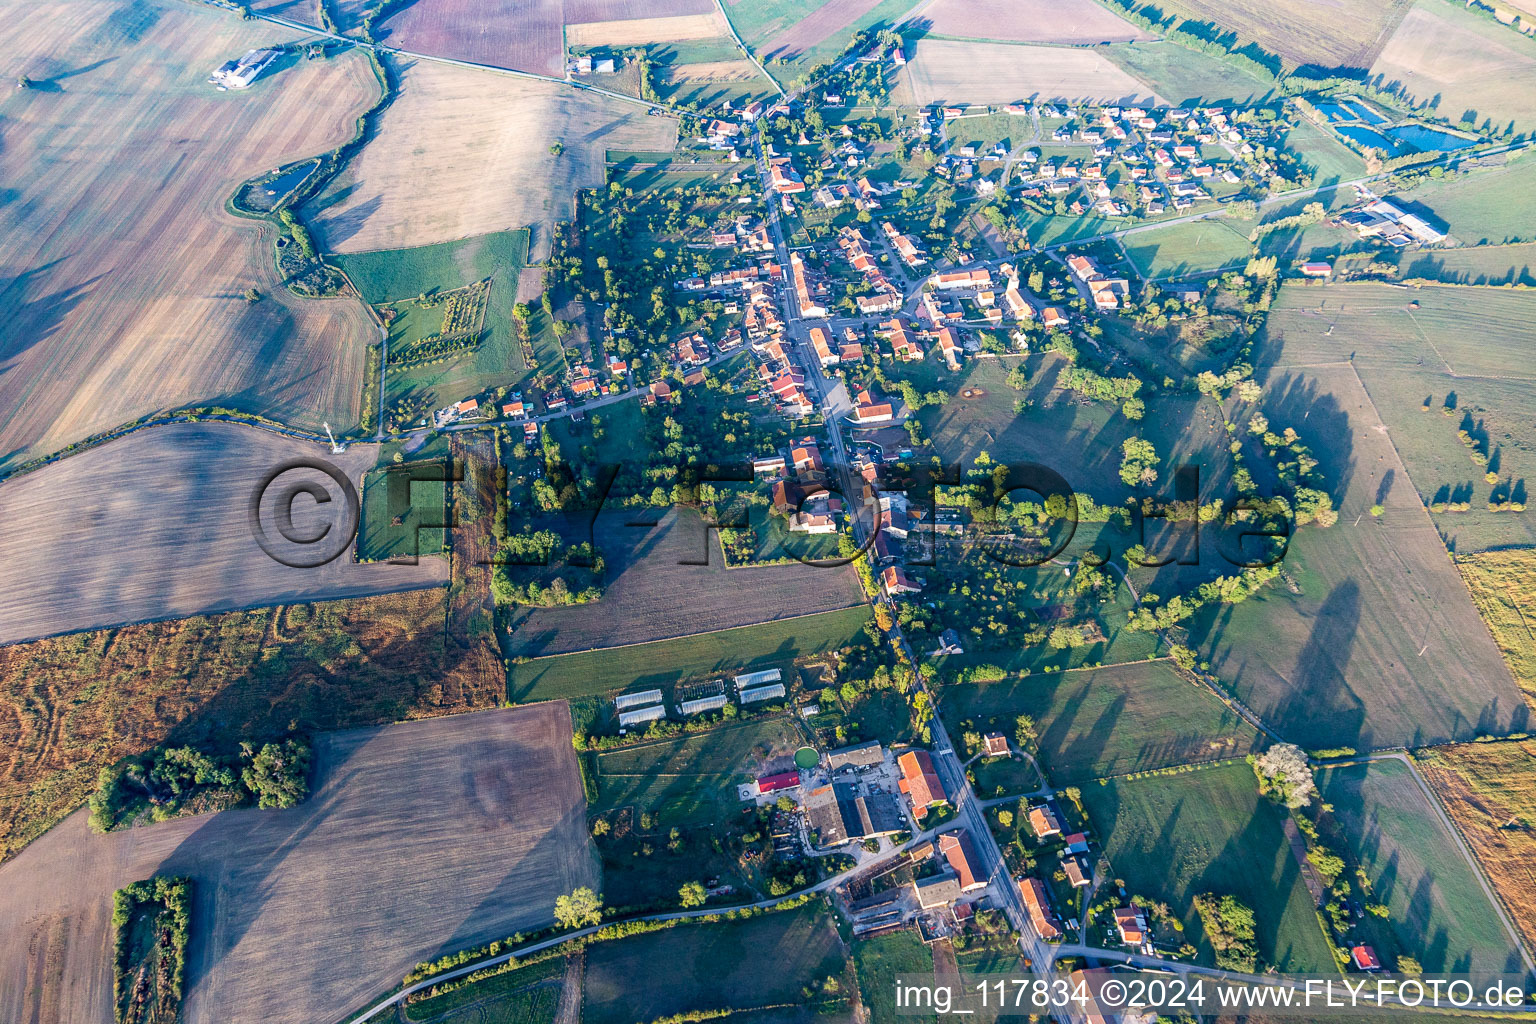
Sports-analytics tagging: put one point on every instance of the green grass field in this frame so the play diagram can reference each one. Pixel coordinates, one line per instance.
(1468, 346)
(1052, 230)
(420, 504)
(668, 661)
(881, 961)
(1483, 206)
(1174, 837)
(1324, 156)
(503, 999)
(691, 780)
(759, 24)
(1106, 721)
(1480, 264)
(1182, 76)
(1439, 912)
(398, 276)
(758, 962)
(1194, 247)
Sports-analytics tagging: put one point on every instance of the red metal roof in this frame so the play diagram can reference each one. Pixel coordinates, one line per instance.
(774, 783)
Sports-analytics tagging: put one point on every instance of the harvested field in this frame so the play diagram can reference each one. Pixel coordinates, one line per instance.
(711, 966)
(1490, 791)
(1440, 913)
(665, 662)
(1341, 33)
(157, 526)
(520, 34)
(652, 594)
(1107, 721)
(123, 299)
(1465, 63)
(470, 133)
(72, 705)
(826, 20)
(1029, 21)
(945, 71)
(1503, 586)
(713, 71)
(706, 23)
(418, 839)
(1173, 837)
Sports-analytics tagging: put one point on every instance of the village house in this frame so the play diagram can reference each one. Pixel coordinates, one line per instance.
(1038, 903)
(920, 782)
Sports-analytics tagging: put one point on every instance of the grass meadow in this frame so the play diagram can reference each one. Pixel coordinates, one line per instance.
(880, 961)
(664, 662)
(396, 277)
(726, 965)
(691, 780)
(1434, 360)
(520, 996)
(1324, 156)
(1195, 247)
(1491, 205)
(1174, 837)
(1180, 75)
(1439, 912)
(1107, 721)
(1512, 264)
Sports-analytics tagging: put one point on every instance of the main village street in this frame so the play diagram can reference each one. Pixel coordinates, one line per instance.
(970, 814)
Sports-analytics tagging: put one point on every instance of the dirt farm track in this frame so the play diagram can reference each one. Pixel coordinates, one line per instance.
(419, 839)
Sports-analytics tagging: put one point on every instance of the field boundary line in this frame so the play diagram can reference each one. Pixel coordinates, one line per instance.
(686, 636)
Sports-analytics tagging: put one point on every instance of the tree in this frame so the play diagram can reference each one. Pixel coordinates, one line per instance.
(23, 82)
(556, 148)
(1284, 774)
(600, 827)
(579, 908)
(1024, 733)
(692, 894)
(1138, 462)
(1229, 926)
(278, 775)
(883, 618)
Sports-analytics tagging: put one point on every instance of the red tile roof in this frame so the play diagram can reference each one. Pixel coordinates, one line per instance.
(920, 781)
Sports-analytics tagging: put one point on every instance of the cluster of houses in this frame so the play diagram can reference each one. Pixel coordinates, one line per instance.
(1106, 292)
(1166, 153)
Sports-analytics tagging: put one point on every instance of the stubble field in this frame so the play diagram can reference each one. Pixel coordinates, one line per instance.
(651, 594)
(946, 71)
(157, 525)
(1344, 33)
(520, 34)
(1464, 63)
(418, 839)
(1489, 789)
(638, 27)
(72, 705)
(125, 275)
(482, 140)
(1029, 21)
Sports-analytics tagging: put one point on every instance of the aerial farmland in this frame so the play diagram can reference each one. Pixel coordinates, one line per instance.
(643, 511)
